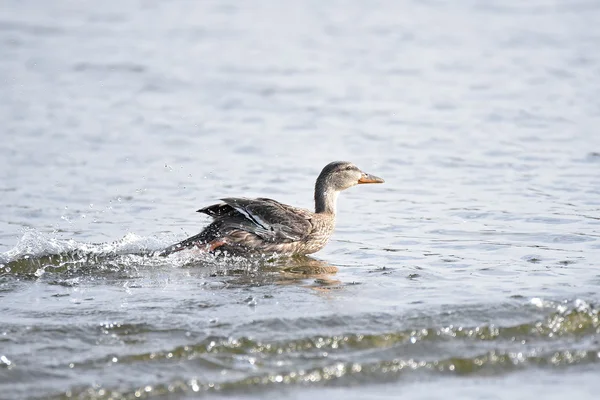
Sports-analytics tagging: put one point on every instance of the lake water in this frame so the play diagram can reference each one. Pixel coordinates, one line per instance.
(473, 272)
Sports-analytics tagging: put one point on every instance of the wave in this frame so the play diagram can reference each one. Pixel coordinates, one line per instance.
(37, 254)
(552, 342)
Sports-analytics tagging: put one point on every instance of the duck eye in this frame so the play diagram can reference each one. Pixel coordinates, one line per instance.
(349, 168)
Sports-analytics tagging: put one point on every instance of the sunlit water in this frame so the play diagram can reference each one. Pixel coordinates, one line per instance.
(471, 273)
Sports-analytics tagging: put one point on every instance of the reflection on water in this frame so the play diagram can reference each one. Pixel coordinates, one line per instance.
(296, 270)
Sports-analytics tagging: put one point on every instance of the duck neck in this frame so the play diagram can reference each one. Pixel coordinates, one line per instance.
(325, 198)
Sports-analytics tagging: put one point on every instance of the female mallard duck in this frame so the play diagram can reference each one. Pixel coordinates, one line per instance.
(262, 225)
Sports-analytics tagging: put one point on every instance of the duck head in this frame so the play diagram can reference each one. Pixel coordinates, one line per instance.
(341, 175)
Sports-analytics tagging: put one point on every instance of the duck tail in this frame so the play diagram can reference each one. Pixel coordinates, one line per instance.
(193, 243)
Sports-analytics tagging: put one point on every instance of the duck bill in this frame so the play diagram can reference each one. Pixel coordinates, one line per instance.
(368, 178)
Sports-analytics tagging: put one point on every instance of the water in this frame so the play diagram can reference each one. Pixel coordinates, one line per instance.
(472, 272)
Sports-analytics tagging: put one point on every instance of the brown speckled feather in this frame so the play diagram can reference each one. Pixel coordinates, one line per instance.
(272, 220)
(253, 225)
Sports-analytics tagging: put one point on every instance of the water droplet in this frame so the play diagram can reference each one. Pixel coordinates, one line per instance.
(251, 301)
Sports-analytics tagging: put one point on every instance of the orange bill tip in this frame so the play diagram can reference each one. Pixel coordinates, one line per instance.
(367, 178)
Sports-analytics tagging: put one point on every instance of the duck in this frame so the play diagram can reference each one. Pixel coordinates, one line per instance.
(243, 226)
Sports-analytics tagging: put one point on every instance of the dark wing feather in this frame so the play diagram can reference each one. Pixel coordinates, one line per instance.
(272, 220)
(216, 210)
(211, 232)
(187, 243)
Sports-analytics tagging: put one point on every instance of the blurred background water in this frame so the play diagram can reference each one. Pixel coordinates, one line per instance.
(473, 272)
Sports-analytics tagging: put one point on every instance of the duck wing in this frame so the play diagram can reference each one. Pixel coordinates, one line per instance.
(268, 219)
(271, 220)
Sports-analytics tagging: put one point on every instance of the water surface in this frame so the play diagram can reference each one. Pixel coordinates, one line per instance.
(472, 272)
